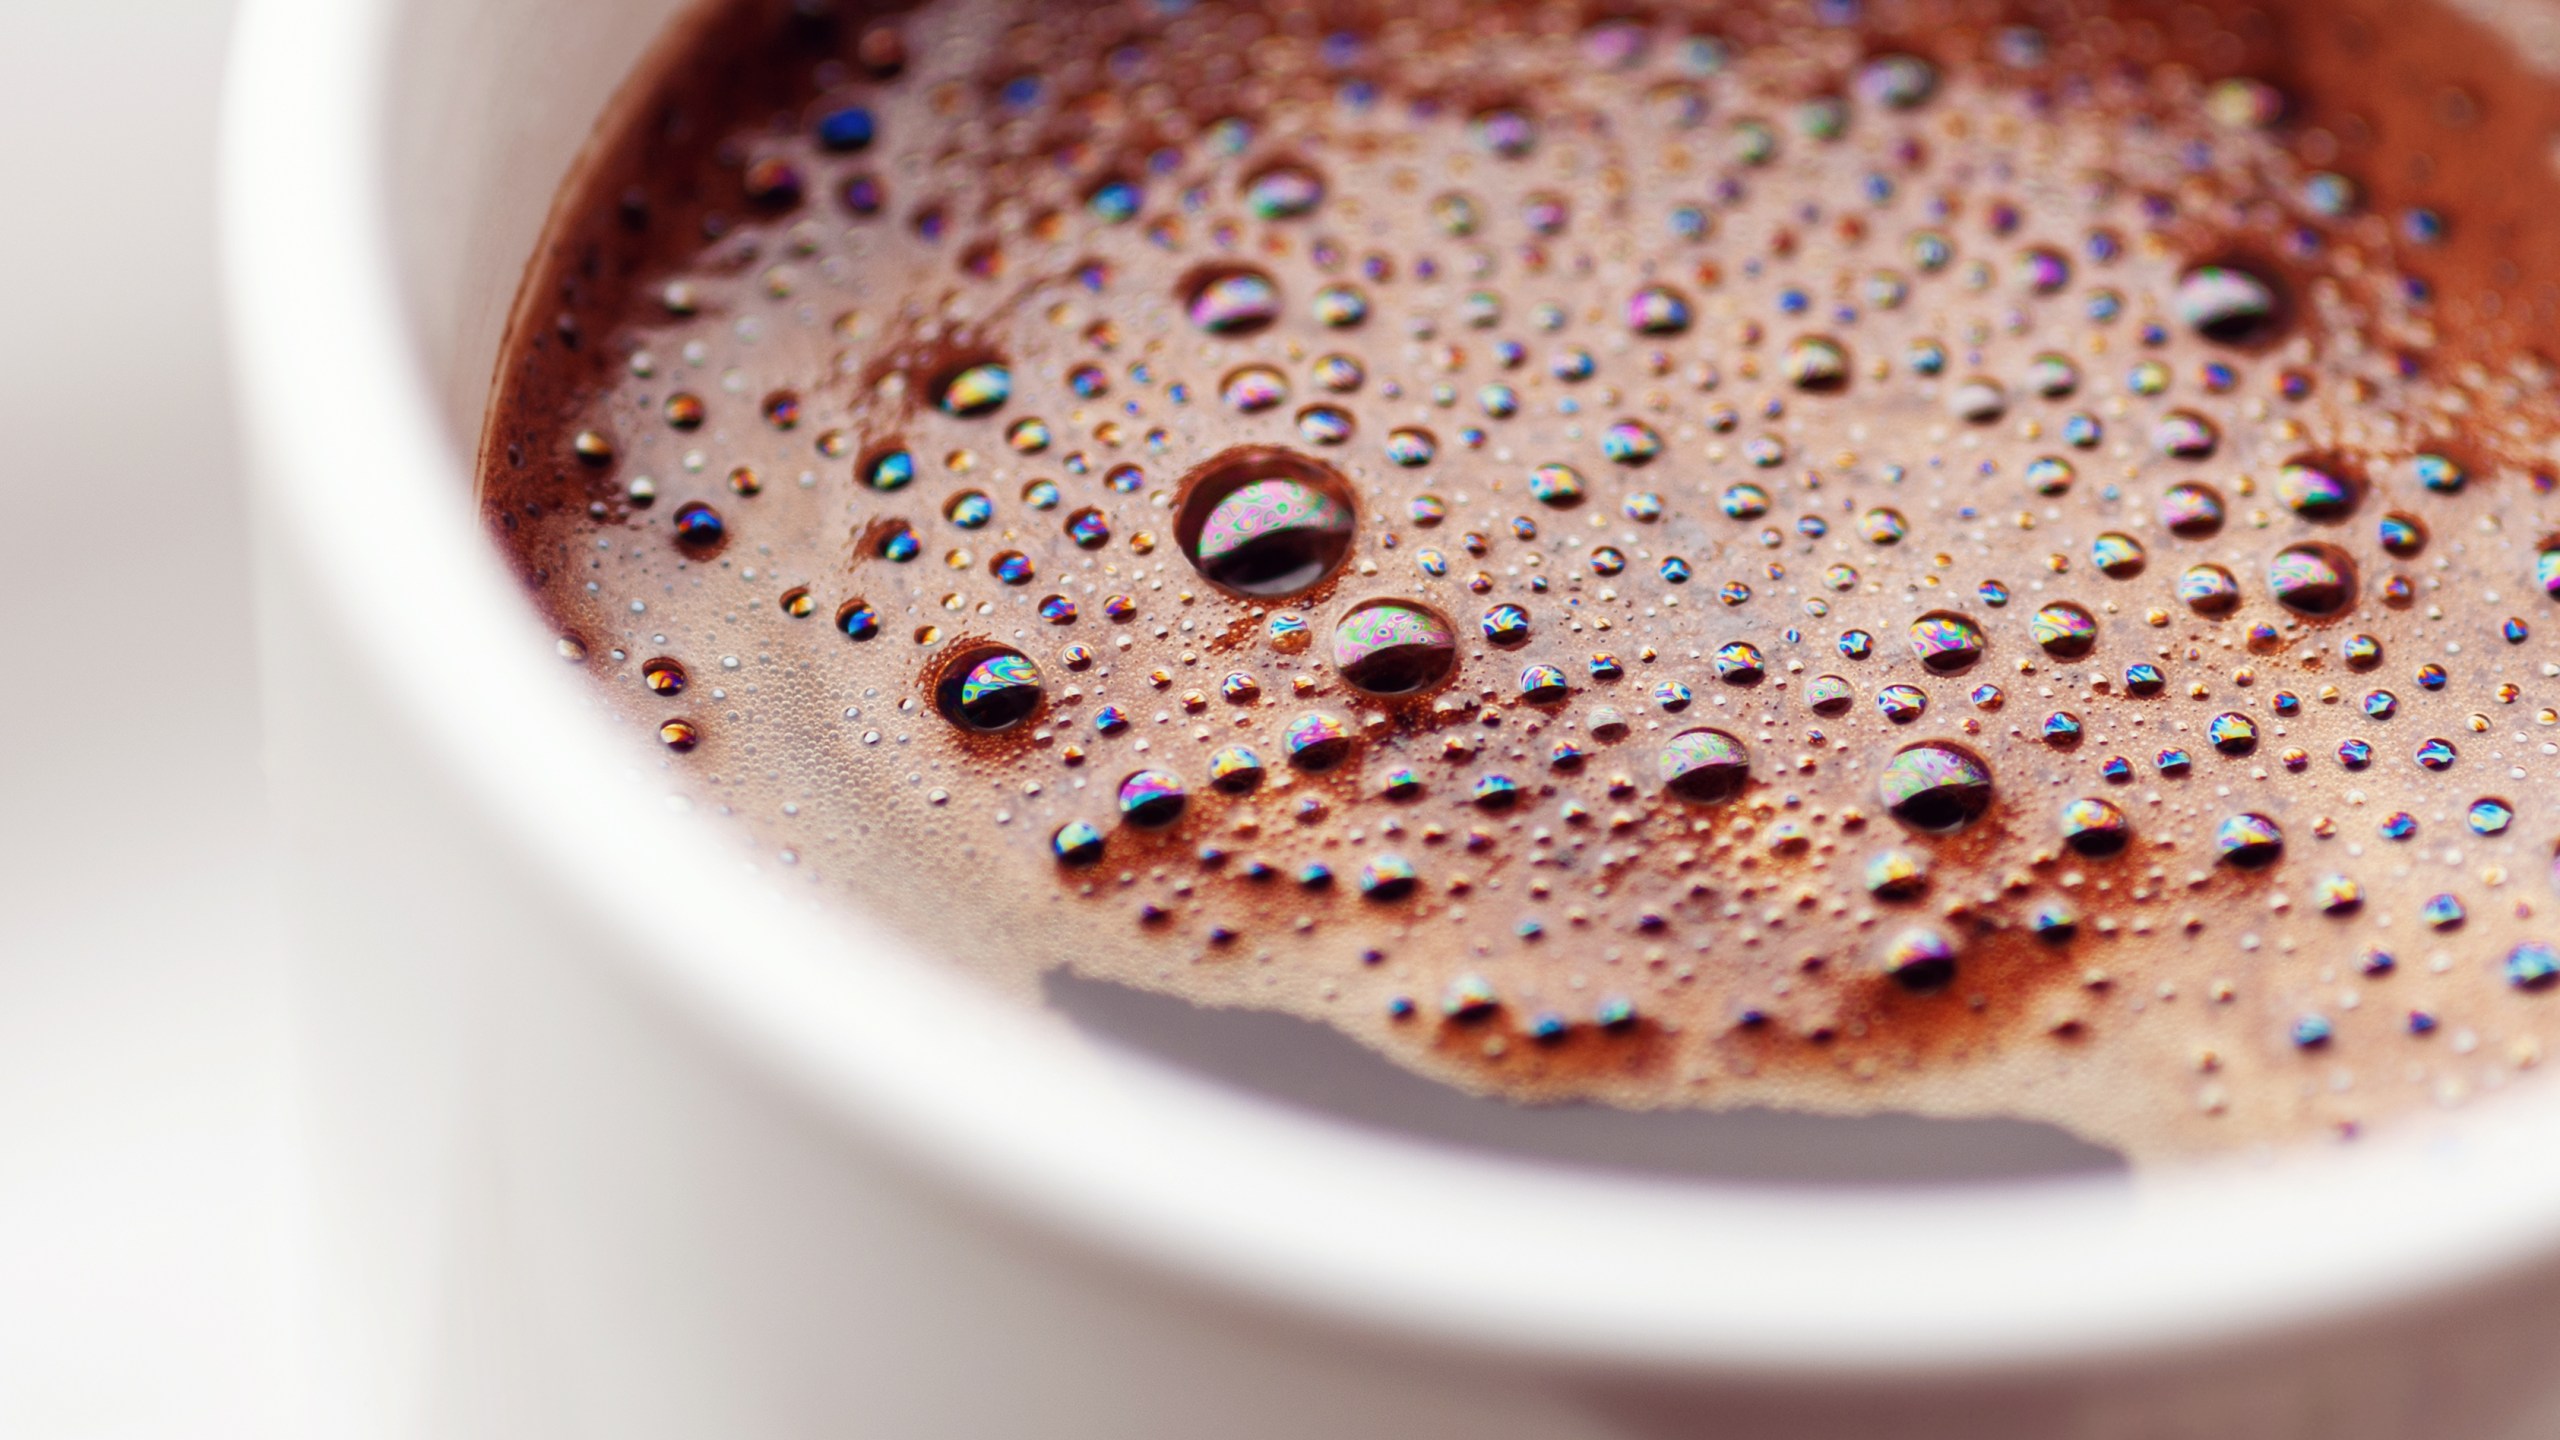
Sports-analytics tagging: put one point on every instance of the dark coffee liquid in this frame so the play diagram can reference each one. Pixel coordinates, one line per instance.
(1932, 556)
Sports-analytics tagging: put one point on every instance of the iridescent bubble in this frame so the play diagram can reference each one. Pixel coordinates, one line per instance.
(974, 389)
(1410, 446)
(1556, 484)
(2116, 555)
(1265, 522)
(2185, 435)
(2532, 965)
(1230, 299)
(2191, 511)
(1902, 704)
(1543, 684)
(1704, 766)
(1921, 960)
(1658, 310)
(970, 509)
(895, 541)
(1077, 843)
(1316, 741)
(1505, 130)
(2249, 840)
(1455, 213)
(2401, 535)
(2064, 630)
(1898, 875)
(1744, 502)
(2490, 816)
(1815, 362)
(1394, 647)
(1946, 642)
(1629, 442)
(2436, 755)
(1883, 526)
(1283, 191)
(2227, 305)
(2232, 733)
(698, 527)
(1387, 877)
(1152, 798)
(1506, 625)
(1089, 529)
(1828, 695)
(2043, 269)
(679, 735)
(987, 687)
(858, 620)
(1936, 785)
(1978, 401)
(1739, 662)
(2315, 491)
(1339, 307)
(2312, 579)
(891, 469)
(1252, 389)
(2546, 568)
(1012, 567)
(1338, 373)
(1897, 82)
(663, 676)
(2438, 473)
(2049, 475)
(2095, 827)
(1325, 425)
(1115, 201)
(2052, 376)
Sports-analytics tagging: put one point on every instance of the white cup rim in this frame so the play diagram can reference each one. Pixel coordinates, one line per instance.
(1130, 1158)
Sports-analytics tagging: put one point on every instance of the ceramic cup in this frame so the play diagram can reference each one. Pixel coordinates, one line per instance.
(614, 1136)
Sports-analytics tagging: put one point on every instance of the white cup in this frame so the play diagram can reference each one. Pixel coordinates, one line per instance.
(613, 1137)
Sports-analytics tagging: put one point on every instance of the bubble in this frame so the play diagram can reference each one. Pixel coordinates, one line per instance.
(2437, 473)
(698, 527)
(1816, 363)
(1898, 875)
(1506, 625)
(2185, 435)
(1936, 785)
(798, 603)
(892, 469)
(1902, 704)
(1946, 642)
(2064, 630)
(1077, 843)
(987, 688)
(1704, 766)
(1265, 522)
(2312, 579)
(2401, 535)
(1115, 201)
(1387, 877)
(1394, 647)
(663, 676)
(2531, 965)
(2095, 827)
(1897, 82)
(970, 509)
(2436, 755)
(1252, 389)
(1325, 424)
(2490, 816)
(1151, 799)
(2249, 840)
(2315, 492)
(1744, 502)
(2227, 304)
(1978, 401)
(2049, 475)
(1088, 528)
(1543, 684)
(1230, 299)
(1630, 442)
(1283, 191)
(2052, 376)
(2044, 270)
(1883, 526)
(2191, 511)
(1921, 960)
(685, 411)
(1754, 143)
(1410, 446)
(2117, 556)
(974, 389)
(2232, 733)
(1506, 130)
(1556, 484)
(1316, 741)
(858, 620)
(1012, 567)
(1739, 662)
(1658, 310)
(2546, 568)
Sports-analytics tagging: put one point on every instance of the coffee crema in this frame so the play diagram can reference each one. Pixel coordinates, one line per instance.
(1930, 556)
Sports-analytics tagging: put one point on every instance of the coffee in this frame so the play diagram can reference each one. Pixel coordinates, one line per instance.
(1919, 556)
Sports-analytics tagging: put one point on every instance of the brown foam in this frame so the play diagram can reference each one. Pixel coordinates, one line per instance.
(1713, 955)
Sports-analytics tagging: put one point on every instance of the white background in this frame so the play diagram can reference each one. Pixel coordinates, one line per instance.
(142, 1111)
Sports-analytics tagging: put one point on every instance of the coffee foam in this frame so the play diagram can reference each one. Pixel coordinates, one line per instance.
(1780, 498)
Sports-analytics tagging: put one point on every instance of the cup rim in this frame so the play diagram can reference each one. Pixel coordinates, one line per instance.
(1132, 1159)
